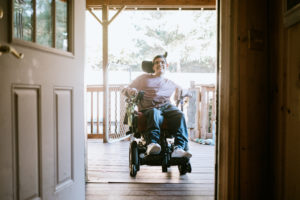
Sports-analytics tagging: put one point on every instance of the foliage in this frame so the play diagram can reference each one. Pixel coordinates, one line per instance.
(44, 22)
(61, 25)
(189, 37)
(23, 24)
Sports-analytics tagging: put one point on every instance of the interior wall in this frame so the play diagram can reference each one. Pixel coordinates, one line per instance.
(285, 107)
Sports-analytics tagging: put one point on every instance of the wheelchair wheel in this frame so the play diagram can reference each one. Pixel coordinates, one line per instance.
(165, 164)
(182, 169)
(133, 159)
(189, 167)
(133, 170)
(164, 168)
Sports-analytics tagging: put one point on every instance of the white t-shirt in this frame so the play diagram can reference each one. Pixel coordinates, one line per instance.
(157, 90)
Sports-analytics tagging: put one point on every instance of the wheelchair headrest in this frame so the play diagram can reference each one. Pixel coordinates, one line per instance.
(147, 66)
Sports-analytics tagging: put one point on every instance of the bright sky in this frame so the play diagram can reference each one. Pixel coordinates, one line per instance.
(121, 30)
(123, 24)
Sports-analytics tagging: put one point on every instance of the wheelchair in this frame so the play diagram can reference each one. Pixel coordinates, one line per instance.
(137, 150)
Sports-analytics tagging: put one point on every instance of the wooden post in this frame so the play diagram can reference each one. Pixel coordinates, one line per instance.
(105, 72)
(105, 22)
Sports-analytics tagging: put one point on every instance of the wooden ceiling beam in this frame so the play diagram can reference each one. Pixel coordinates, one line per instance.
(146, 4)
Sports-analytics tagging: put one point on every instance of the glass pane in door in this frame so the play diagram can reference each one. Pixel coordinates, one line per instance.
(44, 22)
(23, 19)
(61, 28)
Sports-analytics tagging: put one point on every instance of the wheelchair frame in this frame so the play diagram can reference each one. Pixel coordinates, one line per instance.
(137, 149)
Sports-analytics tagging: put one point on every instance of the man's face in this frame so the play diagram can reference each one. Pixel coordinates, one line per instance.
(159, 66)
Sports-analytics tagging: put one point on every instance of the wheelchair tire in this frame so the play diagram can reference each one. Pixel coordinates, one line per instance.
(164, 166)
(133, 158)
(133, 170)
(182, 169)
(189, 167)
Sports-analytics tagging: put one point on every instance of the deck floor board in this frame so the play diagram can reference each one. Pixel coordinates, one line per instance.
(108, 175)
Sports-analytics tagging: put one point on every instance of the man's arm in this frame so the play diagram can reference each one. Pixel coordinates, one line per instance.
(133, 88)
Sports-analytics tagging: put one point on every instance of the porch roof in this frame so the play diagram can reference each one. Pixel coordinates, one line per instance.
(153, 4)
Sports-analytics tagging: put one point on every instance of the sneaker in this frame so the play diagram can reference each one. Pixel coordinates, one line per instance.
(179, 153)
(153, 149)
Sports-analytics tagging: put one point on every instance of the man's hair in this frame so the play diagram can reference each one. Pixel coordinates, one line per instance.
(160, 56)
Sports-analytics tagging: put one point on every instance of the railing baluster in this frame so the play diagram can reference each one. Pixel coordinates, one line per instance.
(206, 113)
(92, 113)
(119, 111)
(116, 110)
(98, 132)
(109, 111)
(122, 113)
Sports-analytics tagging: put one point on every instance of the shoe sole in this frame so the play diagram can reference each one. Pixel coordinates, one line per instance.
(186, 155)
(155, 150)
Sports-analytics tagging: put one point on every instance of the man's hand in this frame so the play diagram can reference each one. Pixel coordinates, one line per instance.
(129, 92)
(132, 91)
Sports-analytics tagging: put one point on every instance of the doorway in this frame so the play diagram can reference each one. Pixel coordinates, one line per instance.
(205, 138)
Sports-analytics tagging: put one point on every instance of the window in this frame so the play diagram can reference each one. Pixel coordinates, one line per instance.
(43, 22)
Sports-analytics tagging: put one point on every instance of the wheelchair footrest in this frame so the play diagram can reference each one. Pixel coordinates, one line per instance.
(153, 160)
(179, 161)
(156, 160)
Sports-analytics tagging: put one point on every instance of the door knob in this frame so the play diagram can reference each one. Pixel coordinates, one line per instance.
(9, 49)
(1, 13)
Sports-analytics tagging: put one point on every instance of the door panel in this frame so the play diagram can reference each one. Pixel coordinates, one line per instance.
(26, 136)
(42, 118)
(64, 137)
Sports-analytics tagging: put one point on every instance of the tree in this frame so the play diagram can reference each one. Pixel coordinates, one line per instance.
(44, 23)
(189, 37)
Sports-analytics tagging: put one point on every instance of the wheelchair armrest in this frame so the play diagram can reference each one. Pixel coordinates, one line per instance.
(141, 122)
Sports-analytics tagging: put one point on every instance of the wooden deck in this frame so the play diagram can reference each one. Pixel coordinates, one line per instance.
(108, 175)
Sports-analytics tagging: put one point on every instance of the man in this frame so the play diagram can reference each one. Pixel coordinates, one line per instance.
(156, 106)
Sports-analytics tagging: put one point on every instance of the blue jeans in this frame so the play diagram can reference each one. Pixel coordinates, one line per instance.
(175, 122)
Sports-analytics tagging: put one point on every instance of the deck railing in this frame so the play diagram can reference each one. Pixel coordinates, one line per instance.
(200, 111)
(117, 130)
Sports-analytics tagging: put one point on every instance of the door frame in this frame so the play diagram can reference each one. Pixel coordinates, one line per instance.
(45, 90)
(227, 88)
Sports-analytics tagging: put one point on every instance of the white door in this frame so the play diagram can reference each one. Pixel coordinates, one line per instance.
(42, 112)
